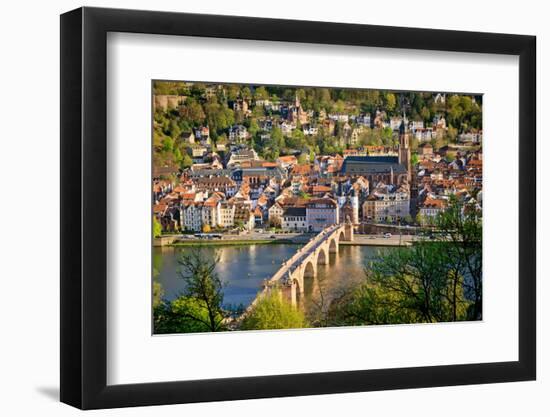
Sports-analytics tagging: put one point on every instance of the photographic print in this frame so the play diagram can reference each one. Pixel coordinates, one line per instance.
(293, 207)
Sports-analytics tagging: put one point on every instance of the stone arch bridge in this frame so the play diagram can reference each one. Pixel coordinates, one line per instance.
(305, 262)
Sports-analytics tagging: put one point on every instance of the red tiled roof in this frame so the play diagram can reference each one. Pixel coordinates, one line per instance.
(434, 203)
(288, 159)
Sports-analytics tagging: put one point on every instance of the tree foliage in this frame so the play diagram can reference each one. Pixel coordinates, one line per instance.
(203, 284)
(202, 108)
(433, 281)
(157, 227)
(183, 315)
(272, 312)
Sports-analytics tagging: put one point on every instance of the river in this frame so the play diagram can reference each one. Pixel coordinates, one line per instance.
(243, 268)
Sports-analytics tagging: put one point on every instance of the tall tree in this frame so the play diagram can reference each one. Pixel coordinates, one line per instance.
(462, 226)
(203, 284)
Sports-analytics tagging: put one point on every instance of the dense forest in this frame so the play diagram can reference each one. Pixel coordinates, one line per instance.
(209, 105)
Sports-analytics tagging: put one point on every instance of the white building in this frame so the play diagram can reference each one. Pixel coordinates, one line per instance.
(287, 128)
(339, 117)
(363, 120)
(275, 214)
(320, 213)
(237, 133)
(395, 122)
(310, 130)
(294, 219)
(192, 217)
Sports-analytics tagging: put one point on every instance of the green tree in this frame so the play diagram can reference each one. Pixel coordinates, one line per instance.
(186, 161)
(261, 93)
(303, 159)
(204, 286)
(246, 93)
(157, 227)
(415, 282)
(390, 102)
(232, 91)
(433, 281)
(158, 293)
(425, 114)
(387, 136)
(182, 315)
(253, 127)
(462, 227)
(452, 134)
(272, 312)
(277, 138)
(192, 111)
(296, 140)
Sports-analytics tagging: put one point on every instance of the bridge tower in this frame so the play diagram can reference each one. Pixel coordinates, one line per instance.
(348, 231)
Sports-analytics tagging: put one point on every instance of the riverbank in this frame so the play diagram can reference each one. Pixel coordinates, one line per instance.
(359, 240)
(377, 240)
(231, 242)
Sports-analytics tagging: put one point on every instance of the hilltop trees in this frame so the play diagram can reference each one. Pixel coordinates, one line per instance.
(220, 107)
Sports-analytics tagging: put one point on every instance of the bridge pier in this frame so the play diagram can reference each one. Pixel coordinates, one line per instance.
(348, 232)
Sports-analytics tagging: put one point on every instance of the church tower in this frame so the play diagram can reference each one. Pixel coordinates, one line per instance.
(404, 151)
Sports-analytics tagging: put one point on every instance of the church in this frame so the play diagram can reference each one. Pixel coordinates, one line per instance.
(388, 169)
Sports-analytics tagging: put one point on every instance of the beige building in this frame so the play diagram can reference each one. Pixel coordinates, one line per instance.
(226, 215)
(383, 207)
(275, 214)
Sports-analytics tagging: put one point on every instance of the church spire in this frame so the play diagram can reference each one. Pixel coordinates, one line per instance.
(403, 125)
(404, 151)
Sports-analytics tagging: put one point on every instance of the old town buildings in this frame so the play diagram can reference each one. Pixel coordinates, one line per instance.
(232, 184)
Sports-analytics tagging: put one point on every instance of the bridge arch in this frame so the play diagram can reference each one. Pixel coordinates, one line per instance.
(298, 286)
(322, 256)
(309, 269)
(341, 235)
(333, 245)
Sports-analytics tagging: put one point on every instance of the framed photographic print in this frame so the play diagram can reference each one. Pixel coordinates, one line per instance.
(255, 208)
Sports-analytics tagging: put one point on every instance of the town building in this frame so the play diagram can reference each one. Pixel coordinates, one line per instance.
(226, 215)
(275, 215)
(386, 204)
(321, 213)
(237, 133)
(216, 184)
(294, 219)
(192, 217)
(241, 156)
(430, 209)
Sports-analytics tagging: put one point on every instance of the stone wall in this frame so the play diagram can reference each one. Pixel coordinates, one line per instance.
(167, 101)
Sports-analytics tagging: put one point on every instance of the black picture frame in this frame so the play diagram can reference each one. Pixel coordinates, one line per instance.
(84, 207)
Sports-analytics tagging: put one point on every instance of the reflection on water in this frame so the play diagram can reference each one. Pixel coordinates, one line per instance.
(243, 268)
(344, 271)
